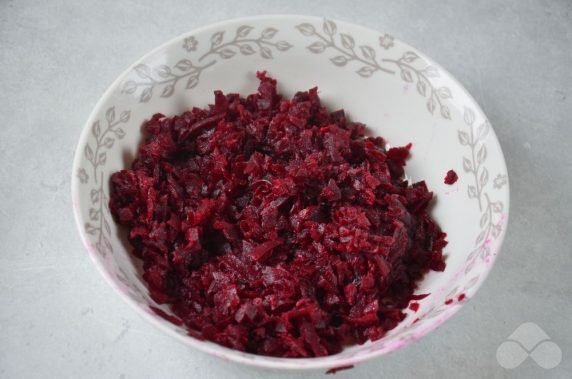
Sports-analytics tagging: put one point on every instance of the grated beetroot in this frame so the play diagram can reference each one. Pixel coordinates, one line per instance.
(274, 226)
(451, 177)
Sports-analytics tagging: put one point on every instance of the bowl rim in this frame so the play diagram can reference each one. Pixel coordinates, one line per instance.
(231, 354)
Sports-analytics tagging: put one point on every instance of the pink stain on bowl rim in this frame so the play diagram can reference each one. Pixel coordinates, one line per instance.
(91, 248)
(502, 218)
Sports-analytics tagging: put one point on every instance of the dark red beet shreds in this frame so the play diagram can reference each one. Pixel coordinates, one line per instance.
(273, 226)
(451, 177)
(414, 306)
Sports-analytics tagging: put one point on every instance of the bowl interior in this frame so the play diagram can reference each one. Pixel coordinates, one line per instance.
(398, 92)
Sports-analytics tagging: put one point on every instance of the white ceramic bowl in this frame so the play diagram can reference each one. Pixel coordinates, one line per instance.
(393, 88)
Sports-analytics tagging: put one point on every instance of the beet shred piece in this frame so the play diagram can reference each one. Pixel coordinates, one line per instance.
(451, 177)
(274, 226)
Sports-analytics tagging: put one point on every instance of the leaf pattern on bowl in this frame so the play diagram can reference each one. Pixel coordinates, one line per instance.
(242, 44)
(347, 51)
(164, 79)
(95, 153)
(104, 138)
(98, 225)
(436, 96)
(345, 46)
(492, 216)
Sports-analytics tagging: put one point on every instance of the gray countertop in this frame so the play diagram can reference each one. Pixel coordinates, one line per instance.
(59, 319)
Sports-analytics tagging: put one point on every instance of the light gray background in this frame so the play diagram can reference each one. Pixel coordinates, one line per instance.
(59, 319)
